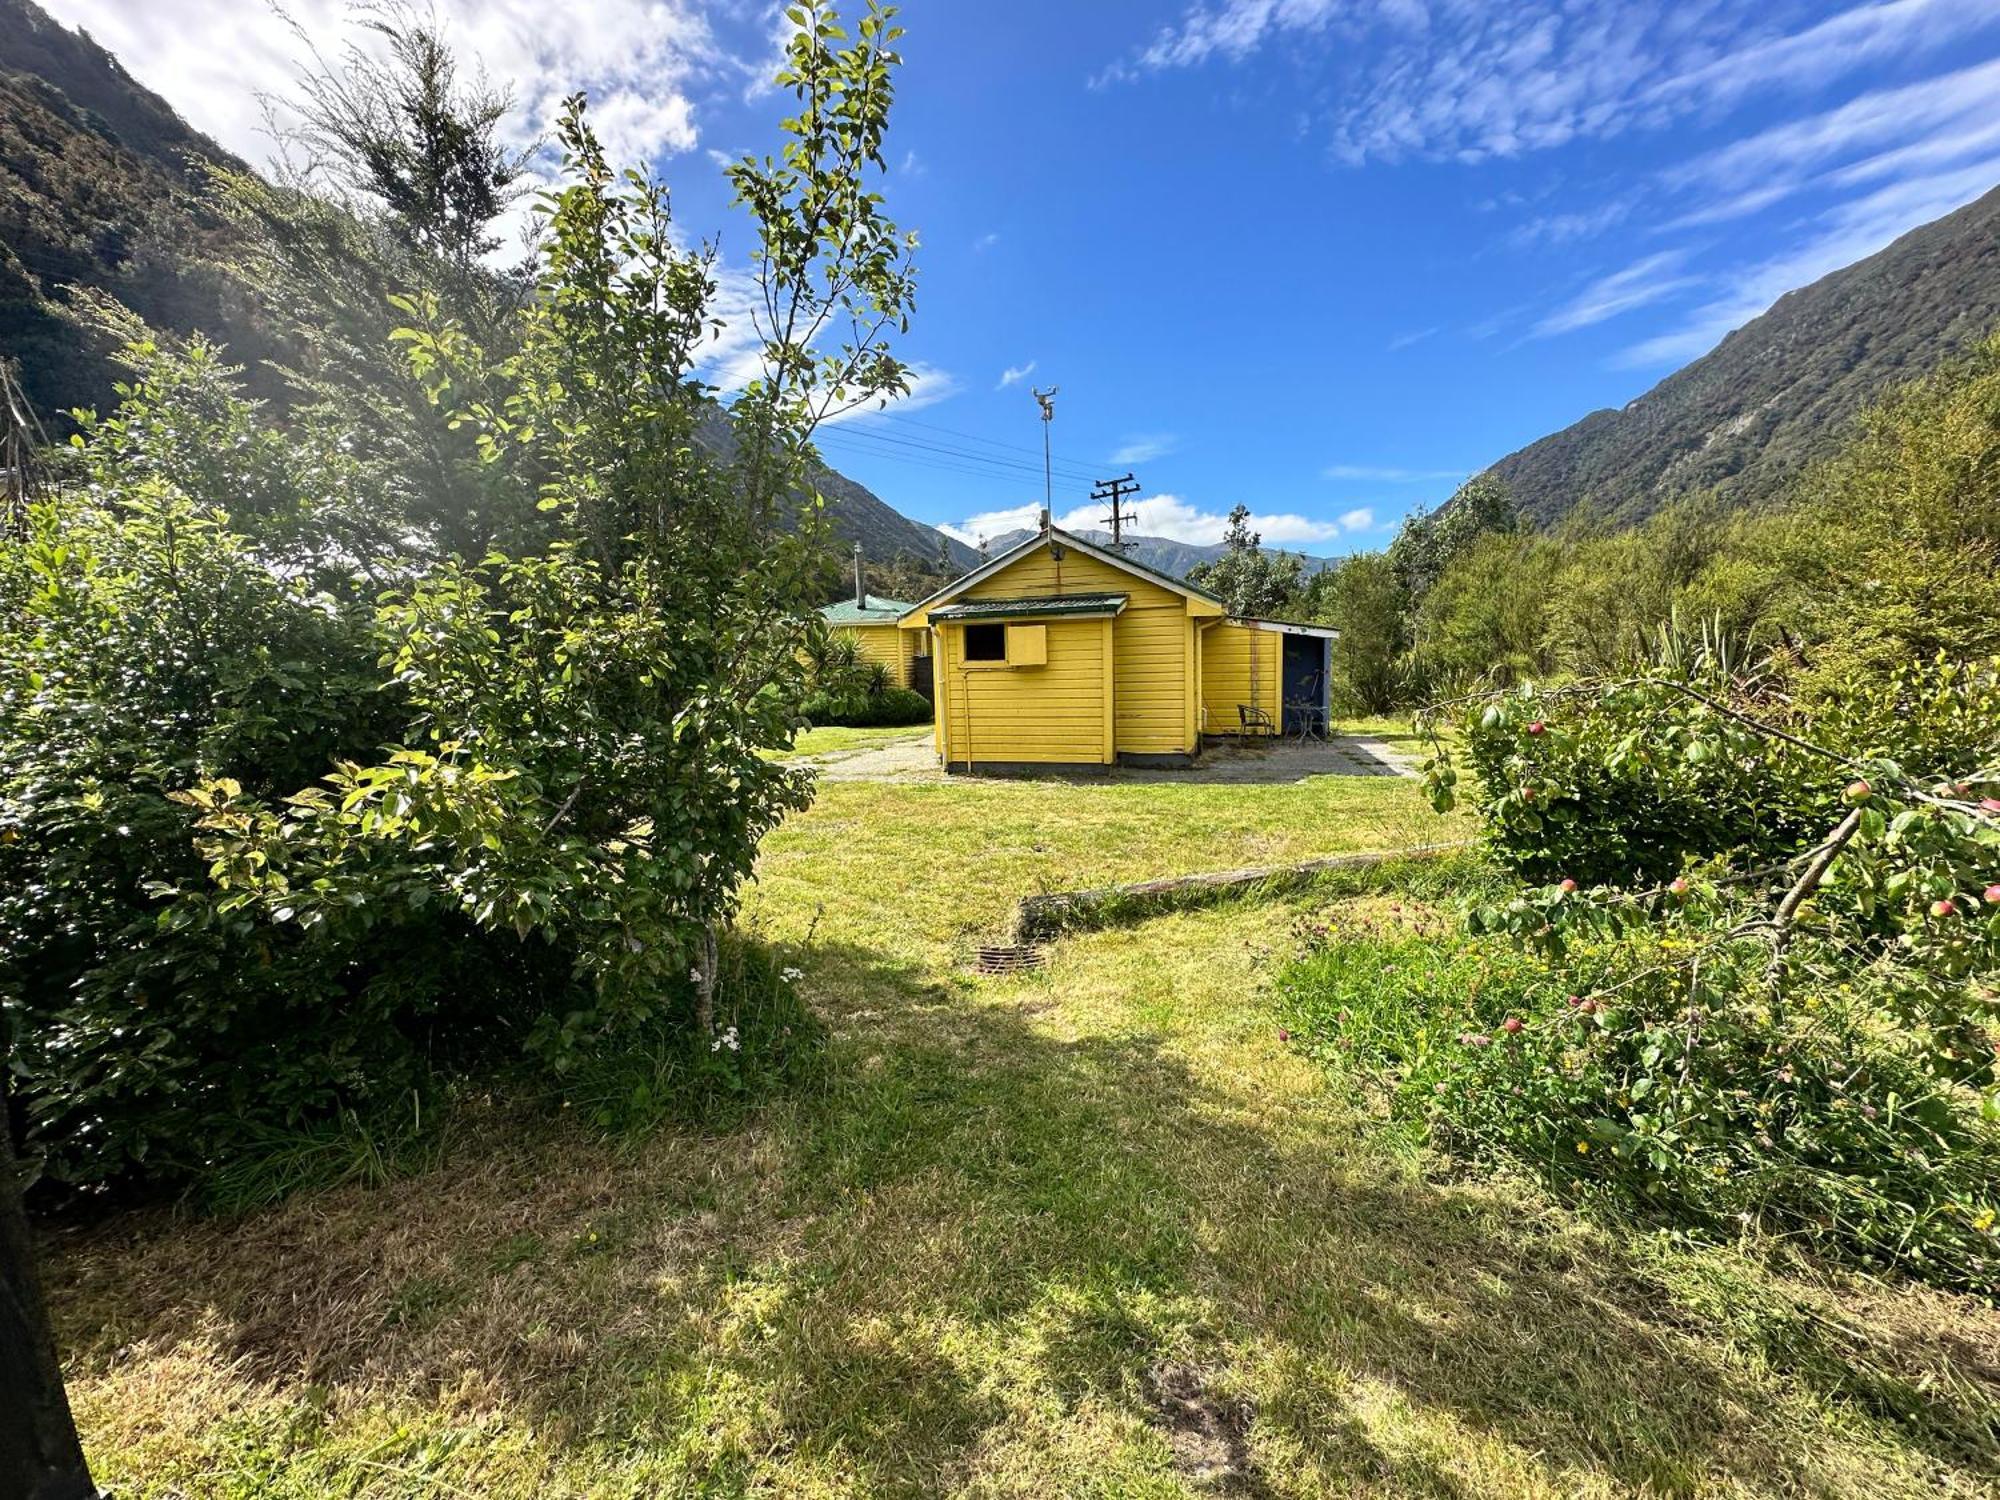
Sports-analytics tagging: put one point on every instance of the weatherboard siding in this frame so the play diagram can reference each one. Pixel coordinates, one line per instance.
(1053, 713)
(886, 644)
(1153, 650)
(1227, 652)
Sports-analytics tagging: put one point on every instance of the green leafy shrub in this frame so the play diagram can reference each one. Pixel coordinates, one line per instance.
(1631, 780)
(891, 706)
(299, 816)
(1757, 976)
(1611, 1077)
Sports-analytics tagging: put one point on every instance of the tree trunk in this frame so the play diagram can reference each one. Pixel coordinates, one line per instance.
(41, 1457)
(704, 989)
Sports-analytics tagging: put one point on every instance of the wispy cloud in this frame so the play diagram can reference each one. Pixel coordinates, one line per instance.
(1863, 123)
(1014, 375)
(1451, 80)
(1144, 448)
(1378, 475)
(986, 242)
(1404, 340)
(1637, 285)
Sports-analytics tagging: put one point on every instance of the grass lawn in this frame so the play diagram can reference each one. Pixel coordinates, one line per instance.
(829, 739)
(1091, 1231)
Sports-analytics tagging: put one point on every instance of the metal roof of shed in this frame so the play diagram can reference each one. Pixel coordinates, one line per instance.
(1015, 609)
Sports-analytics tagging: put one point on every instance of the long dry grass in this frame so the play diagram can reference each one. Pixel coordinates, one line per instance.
(1091, 1231)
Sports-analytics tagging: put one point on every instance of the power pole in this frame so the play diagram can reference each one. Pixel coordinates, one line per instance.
(1115, 490)
(1047, 401)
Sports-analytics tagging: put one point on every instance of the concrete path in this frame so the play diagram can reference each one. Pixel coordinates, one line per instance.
(1250, 763)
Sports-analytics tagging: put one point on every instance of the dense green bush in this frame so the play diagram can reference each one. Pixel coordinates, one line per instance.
(1630, 780)
(890, 706)
(1611, 1077)
(300, 812)
(1755, 975)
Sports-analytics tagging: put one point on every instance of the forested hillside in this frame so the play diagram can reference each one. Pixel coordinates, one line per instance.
(1780, 392)
(101, 186)
(98, 189)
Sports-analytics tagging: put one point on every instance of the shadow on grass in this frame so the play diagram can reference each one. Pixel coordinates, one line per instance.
(974, 1235)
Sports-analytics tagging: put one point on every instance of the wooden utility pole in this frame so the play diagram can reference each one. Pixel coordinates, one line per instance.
(1115, 490)
(41, 1457)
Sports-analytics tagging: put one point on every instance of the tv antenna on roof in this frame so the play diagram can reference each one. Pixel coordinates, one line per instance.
(1047, 401)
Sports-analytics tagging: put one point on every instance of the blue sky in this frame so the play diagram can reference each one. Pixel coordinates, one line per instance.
(1320, 257)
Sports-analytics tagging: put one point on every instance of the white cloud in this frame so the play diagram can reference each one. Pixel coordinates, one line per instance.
(1143, 448)
(1643, 282)
(928, 386)
(643, 62)
(1158, 515)
(1378, 475)
(1404, 340)
(1014, 375)
(1359, 519)
(1871, 120)
(986, 241)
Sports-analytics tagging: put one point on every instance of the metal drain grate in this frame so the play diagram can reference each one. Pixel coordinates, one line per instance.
(1007, 958)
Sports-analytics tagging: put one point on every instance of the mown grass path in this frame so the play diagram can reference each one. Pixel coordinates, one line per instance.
(1093, 1231)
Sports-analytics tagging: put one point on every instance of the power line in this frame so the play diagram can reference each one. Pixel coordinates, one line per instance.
(894, 439)
(939, 465)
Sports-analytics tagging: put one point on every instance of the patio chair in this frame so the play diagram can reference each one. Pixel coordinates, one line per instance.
(1254, 720)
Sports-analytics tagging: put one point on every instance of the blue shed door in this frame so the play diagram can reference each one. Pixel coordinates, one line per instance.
(1304, 680)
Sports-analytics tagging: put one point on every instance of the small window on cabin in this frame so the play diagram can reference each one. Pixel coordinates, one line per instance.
(986, 643)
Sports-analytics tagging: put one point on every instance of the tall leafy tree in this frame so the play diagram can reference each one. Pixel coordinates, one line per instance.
(1250, 580)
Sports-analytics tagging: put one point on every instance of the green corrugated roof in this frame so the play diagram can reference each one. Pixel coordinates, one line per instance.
(878, 611)
(1060, 604)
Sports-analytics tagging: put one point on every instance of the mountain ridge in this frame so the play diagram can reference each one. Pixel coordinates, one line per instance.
(1780, 392)
(1160, 553)
(101, 186)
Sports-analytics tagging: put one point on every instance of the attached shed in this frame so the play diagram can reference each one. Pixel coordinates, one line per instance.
(1266, 677)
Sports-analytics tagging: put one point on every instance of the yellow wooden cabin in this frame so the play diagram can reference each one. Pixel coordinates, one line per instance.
(1063, 654)
(871, 622)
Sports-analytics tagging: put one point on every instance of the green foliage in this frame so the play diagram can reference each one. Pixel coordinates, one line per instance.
(1636, 779)
(1251, 581)
(1364, 599)
(1429, 543)
(1753, 975)
(1888, 552)
(301, 814)
(1616, 1080)
(863, 709)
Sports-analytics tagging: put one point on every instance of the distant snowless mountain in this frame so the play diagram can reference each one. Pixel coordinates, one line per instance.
(1162, 554)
